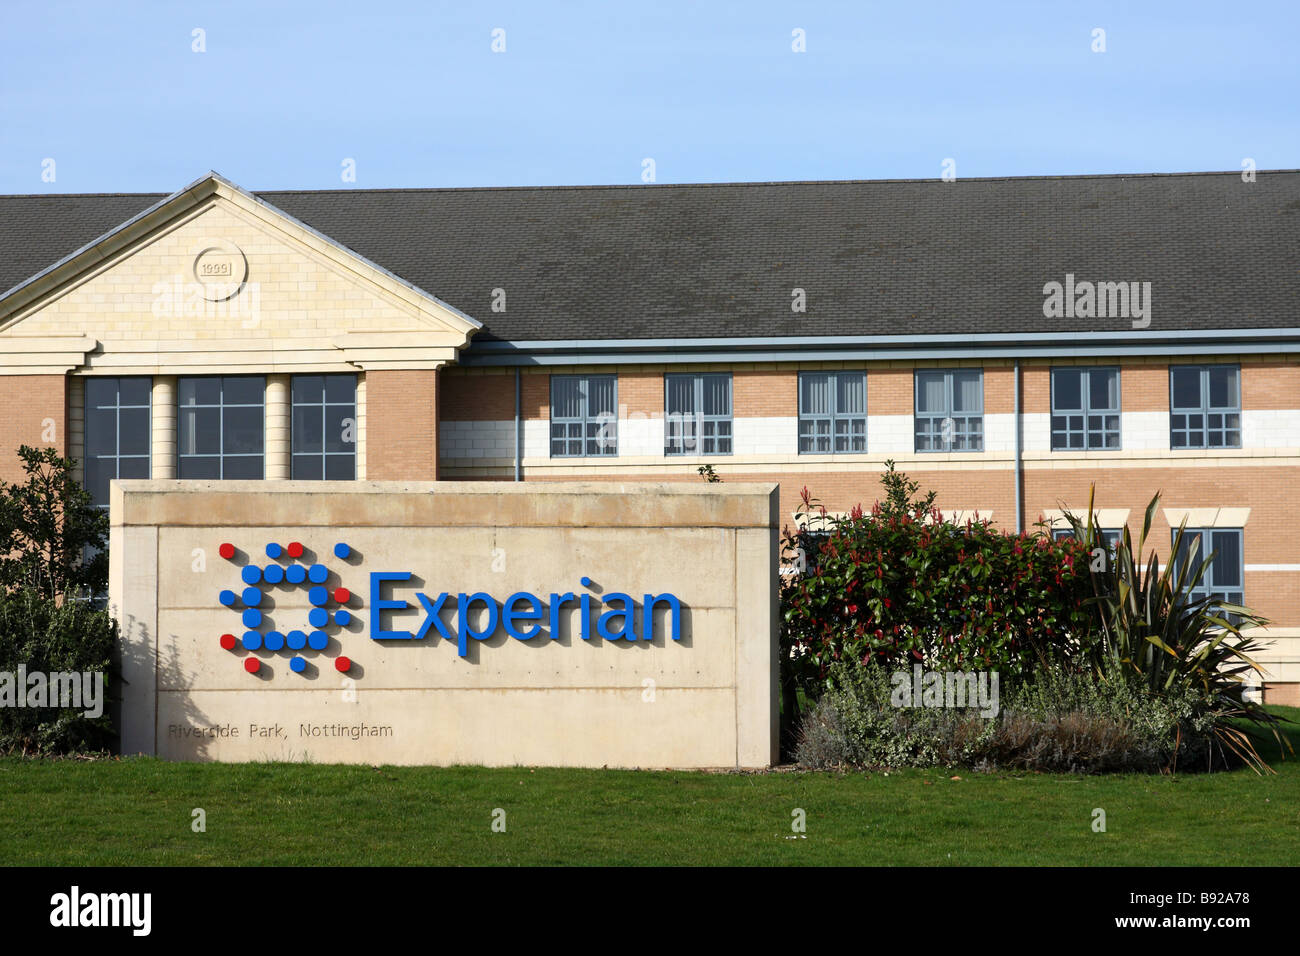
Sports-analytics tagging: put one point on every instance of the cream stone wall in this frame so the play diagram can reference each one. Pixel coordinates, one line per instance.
(706, 700)
(292, 314)
(212, 280)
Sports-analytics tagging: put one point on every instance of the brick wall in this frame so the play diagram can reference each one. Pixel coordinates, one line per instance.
(889, 391)
(476, 398)
(1000, 390)
(402, 425)
(640, 393)
(765, 394)
(35, 410)
(535, 396)
(1270, 385)
(1145, 388)
(1287, 695)
(1036, 388)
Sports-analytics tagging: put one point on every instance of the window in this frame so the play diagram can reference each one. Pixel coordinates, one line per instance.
(323, 437)
(813, 531)
(809, 554)
(117, 432)
(221, 426)
(1204, 406)
(832, 412)
(1109, 540)
(950, 410)
(117, 443)
(1109, 536)
(1222, 581)
(697, 416)
(584, 415)
(1085, 408)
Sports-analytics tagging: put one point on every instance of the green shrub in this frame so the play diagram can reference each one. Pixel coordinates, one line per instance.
(43, 636)
(1056, 720)
(856, 724)
(52, 537)
(1107, 721)
(898, 585)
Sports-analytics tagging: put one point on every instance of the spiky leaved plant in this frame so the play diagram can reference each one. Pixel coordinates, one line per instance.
(1160, 633)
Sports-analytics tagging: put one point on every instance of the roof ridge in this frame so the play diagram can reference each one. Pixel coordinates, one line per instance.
(778, 182)
(701, 185)
(81, 195)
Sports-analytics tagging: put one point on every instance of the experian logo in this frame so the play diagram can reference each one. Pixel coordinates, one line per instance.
(615, 624)
(522, 615)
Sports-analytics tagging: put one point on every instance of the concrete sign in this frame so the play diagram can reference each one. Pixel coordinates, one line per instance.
(563, 624)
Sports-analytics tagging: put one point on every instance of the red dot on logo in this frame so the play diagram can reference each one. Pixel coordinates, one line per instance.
(252, 664)
(342, 595)
(342, 663)
(228, 641)
(227, 551)
(295, 549)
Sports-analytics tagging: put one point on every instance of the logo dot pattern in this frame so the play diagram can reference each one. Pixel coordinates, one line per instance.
(251, 600)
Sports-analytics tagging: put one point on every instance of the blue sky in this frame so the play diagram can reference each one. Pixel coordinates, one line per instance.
(114, 94)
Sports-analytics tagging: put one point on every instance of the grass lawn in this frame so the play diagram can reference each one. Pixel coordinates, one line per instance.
(138, 812)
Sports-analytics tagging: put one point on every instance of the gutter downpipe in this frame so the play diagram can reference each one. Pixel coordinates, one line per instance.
(1020, 468)
(518, 416)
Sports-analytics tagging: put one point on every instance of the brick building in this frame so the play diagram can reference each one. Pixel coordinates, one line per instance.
(1008, 342)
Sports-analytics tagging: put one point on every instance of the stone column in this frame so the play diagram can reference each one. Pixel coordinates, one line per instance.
(278, 414)
(360, 431)
(162, 431)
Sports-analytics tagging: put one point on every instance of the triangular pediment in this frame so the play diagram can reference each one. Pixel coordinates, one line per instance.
(214, 279)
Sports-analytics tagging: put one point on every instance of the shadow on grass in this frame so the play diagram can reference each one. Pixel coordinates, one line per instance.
(1269, 748)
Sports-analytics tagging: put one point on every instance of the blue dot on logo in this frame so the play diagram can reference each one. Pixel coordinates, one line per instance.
(227, 598)
(297, 640)
(252, 640)
(317, 573)
(251, 573)
(318, 617)
(251, 597)
(252, 618)
(297, 665)
(318, 596)
(274, 574)
(317, 640)
(273, 550)
(342, 618)
(296, 574)
(274, 640)
(341, 550)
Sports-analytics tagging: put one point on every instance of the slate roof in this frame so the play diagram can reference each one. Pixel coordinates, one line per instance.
(712, 261)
